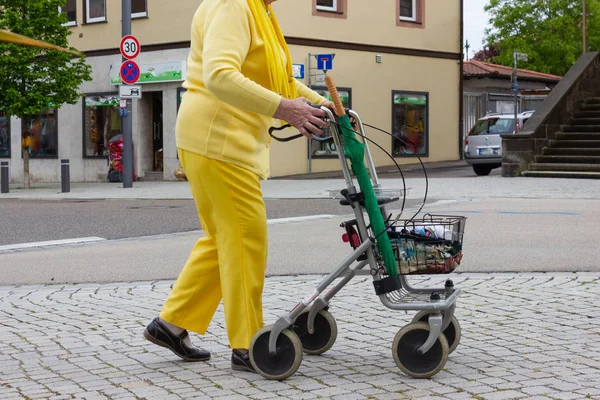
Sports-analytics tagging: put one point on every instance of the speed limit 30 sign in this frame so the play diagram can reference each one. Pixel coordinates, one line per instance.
(130, 47)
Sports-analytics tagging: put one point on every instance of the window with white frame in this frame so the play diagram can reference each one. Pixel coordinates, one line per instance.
(327, 5)
(95, 11)
(70, 11)
(139, 8)
(408, 10)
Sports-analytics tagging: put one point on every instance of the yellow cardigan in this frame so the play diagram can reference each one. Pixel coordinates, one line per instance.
(228, 108)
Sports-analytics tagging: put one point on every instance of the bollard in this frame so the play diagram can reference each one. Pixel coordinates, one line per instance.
(65, 176)
(4, 177)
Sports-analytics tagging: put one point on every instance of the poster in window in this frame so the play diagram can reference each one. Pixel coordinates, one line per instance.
(43, 134)
(409, 125)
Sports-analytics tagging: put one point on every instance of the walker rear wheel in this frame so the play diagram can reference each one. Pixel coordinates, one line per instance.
(324, 335)
(284, 363)
(452, 332)
(404, 349)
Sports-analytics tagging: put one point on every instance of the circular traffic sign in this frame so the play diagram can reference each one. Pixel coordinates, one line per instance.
(130, 47)
(130, 72)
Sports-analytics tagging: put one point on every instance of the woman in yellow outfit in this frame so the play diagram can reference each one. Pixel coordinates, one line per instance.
(239, 80)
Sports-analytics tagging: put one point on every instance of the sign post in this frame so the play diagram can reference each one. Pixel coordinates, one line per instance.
(130, 48)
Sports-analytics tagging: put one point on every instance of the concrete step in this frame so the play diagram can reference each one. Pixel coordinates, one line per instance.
(592, 100)
(588, 114)
(578, 136)
(562, 174)
(585, 121)
(590, 107)
(152, 176)
(565, 141)
(582, 128)
(564, 167)
(571, 151)
(568, 159)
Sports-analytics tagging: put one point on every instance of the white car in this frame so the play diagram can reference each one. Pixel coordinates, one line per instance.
(483, 144)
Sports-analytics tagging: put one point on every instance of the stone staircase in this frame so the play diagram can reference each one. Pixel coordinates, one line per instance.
(574, 152)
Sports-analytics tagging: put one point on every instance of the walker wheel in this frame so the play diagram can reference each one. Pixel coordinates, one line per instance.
(324, 335)
(284, 363)
(452, 332)
(404, 349)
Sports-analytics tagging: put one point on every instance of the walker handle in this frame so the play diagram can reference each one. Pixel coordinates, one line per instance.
(290, 138)
(335, 96)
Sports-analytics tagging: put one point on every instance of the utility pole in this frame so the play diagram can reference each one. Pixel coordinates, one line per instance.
(516, 88)
(467, 47)
(127, 122)
(517, 56)
(584, 26)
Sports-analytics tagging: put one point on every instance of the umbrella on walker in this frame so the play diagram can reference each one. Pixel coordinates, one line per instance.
(355, 151)
(10, 37)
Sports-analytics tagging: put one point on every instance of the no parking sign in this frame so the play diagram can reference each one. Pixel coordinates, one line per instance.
(130, 72)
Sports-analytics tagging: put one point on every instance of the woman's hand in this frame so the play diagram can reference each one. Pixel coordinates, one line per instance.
(329, 104)
(299, 114)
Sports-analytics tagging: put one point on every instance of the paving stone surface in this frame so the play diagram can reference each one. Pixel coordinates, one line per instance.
(523, 337)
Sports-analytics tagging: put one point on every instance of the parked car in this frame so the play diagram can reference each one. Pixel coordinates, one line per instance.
(483, 144)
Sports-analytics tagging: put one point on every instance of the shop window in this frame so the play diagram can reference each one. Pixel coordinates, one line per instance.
(4, 134)
(95, 11)
(139, 8)
(328, 148)
(70, 11)
(42, 131)
(411, 13)
(102, 123)
(329, 8)
(410, 122)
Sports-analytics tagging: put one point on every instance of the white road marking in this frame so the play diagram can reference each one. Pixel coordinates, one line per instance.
(30, 245)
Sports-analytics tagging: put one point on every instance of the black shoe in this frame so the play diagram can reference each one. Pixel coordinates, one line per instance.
(241, 361)
(159, 334)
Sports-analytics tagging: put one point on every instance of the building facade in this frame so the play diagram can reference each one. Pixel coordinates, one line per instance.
(397, 64)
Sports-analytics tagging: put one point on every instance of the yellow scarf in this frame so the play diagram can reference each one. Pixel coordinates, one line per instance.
(280, 73)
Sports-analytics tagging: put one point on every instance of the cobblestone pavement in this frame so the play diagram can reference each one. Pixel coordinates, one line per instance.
(524, 336)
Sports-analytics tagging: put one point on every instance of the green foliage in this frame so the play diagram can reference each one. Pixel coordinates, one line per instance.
(548, 31)
(32, 79)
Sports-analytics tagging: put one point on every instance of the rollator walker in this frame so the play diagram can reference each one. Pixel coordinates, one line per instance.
(430, 244)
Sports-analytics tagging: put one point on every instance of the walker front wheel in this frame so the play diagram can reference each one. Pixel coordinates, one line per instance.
(324, 335)
(452, 332)
(405, 351)
(286, 360)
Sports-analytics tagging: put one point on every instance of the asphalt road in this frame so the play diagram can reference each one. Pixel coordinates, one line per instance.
(501, 235)
(25, 221)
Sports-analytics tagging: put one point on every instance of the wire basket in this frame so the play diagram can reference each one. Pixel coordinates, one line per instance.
(428, 245)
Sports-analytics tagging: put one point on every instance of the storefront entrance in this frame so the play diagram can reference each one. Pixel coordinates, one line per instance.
(157, 132)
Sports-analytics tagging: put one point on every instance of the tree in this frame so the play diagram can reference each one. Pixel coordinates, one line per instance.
(488, 53)
(548, 31)
(33, 79)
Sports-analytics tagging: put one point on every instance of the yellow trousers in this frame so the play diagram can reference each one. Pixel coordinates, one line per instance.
(229, 262)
